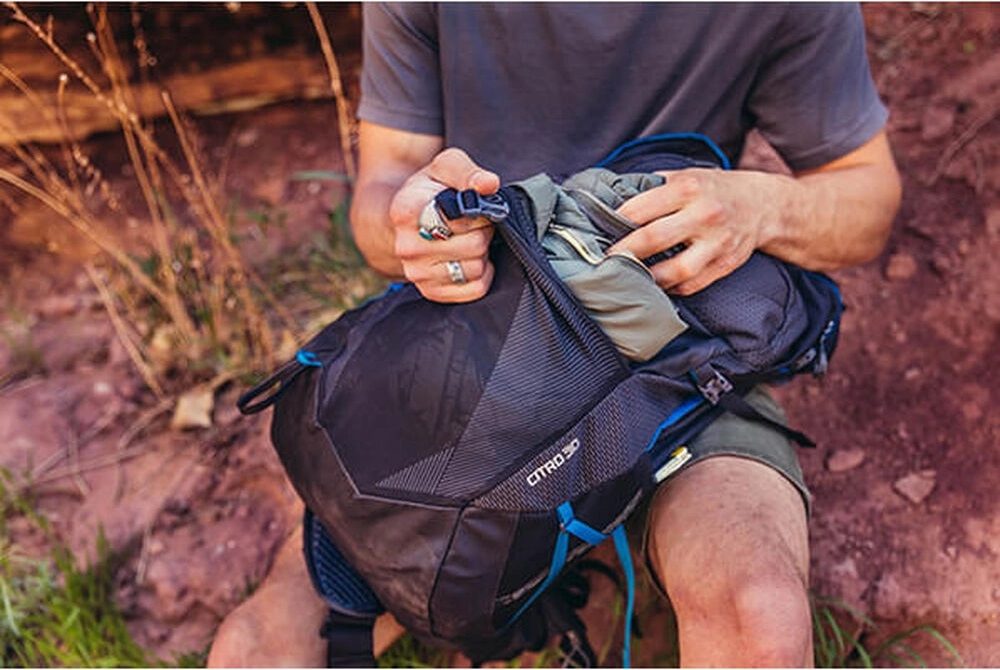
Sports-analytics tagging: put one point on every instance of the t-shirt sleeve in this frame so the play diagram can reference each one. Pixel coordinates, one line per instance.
(815, 100)
(400, 77)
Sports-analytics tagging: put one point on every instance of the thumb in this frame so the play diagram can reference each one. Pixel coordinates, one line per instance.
(455, 168)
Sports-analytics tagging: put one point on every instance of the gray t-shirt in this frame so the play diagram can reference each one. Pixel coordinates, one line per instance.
(554, 87)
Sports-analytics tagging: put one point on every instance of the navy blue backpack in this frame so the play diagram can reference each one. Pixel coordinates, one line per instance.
(457, 458)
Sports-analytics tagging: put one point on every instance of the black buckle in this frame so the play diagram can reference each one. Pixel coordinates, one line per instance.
(468, 203)
(715, 387)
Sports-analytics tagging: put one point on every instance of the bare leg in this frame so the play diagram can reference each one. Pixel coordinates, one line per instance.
(278, 626)
(729, 541)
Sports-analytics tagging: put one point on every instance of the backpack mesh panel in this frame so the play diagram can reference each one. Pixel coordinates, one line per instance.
(607, 442)
(519, 407)
(412, 410)
(750, 307)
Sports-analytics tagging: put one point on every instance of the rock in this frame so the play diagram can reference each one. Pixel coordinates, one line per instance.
(972, 411)
(993, 222)
(937, 122)
(194, 410)
(916, 486)
(247, 138)
(270, 191)
(55, 306)
(901, 267)
(890, 598)
(843, 460)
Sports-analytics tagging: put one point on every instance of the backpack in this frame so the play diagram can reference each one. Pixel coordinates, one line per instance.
(457, 458)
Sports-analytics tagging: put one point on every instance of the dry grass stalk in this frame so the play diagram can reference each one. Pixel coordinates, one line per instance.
(343, 111)
(197, 269)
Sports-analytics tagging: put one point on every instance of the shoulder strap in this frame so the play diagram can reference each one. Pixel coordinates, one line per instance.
(349, 641)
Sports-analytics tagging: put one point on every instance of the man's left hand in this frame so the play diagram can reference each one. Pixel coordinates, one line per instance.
(719, 216)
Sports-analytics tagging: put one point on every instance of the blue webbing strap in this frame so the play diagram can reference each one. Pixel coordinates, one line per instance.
(576, 527)
(625, 557)
(570, 525)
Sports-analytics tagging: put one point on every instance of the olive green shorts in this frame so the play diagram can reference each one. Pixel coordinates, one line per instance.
(730, 435)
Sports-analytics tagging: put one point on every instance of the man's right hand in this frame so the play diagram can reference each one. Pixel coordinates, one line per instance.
(425, 262)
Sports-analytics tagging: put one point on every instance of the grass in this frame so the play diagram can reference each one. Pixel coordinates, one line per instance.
(52, 612)
(840, 633)
(61, 616)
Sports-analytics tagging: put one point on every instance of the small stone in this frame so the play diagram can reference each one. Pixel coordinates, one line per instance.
(937, 123)
(56, 306)
(194, 410)
(247, 138)
(902, 432)
(916, 486)
(901, 267)
(156, 547)
(941, 264)
(993, 222)
(270, 191)
(890, 598)
(843, 460)
(972, 411)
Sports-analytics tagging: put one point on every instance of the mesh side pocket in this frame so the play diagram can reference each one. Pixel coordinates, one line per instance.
(750, 309)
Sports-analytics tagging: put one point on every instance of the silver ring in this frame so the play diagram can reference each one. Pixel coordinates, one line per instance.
(430, 224)
(455, 272)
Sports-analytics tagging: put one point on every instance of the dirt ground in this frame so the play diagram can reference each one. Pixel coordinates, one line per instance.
(906, 522)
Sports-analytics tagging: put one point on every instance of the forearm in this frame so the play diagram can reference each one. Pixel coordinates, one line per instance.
(836, 216)
(830, 219)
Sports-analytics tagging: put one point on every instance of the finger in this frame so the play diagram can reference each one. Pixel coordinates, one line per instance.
(419, 256)
(448, 292)
(457, 226)
(473, 243)
(656, 236)
(455, 168)
(678, 191)
(708, 276)
(683, 269)
(461, 271)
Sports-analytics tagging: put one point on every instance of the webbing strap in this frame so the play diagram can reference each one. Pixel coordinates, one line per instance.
(578, 528)
(570, 525)
(349, 641)
(625, 557)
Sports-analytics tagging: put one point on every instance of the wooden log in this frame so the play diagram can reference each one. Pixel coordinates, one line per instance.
(248, 74)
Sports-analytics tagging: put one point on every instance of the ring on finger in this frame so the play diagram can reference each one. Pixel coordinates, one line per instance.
(431, 225)
(455, 272)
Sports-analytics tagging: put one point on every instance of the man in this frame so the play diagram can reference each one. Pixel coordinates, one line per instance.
(516, 89)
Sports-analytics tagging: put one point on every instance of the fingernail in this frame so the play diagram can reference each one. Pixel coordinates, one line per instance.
(481, 179)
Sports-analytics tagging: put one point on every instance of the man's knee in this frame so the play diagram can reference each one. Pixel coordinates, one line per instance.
(761, 611)
(729, 544)
(772, 614)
